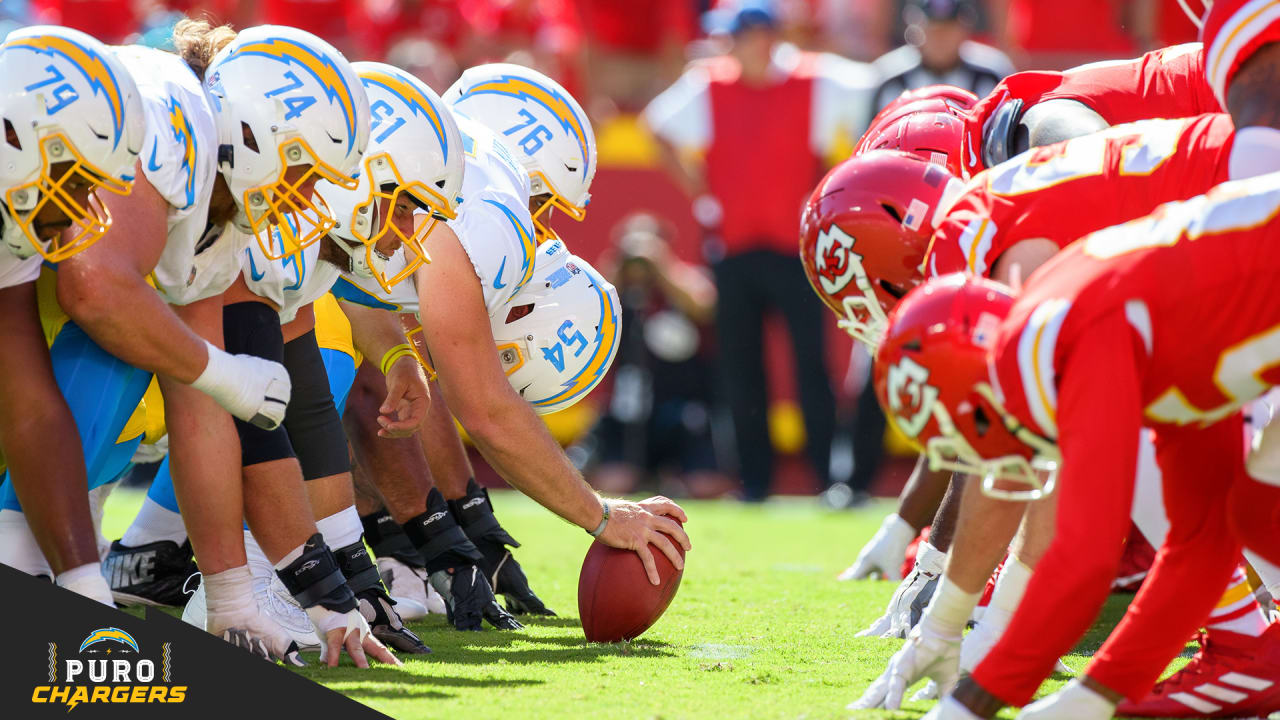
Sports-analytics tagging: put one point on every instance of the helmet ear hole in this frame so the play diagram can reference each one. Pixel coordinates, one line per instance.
(247, 136)
(981, 421)
(518, 312)
(11, 135)
(893, 212)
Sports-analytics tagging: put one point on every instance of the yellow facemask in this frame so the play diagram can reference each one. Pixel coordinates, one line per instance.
(89, 220)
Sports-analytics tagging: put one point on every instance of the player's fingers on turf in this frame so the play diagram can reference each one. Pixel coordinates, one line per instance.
(375, 649)
(659, 505)
(668, 548)
(650, 568)
(332, 647)
(672, 528)
(355, 649)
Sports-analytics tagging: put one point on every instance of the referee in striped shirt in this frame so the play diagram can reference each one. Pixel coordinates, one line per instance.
(939, 51)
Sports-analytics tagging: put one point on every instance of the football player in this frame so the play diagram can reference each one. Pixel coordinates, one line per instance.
(1030, 109)
(74, 126)
(413, 165)
(1048, 391)
(280, 111)
(479, 264)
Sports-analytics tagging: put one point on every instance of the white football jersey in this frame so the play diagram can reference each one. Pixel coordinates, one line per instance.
(179, 159)
(15, 270)
(493, 225)
(291, 282)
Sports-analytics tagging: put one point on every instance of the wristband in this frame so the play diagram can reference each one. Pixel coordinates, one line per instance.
(394, 354)
(604, 504)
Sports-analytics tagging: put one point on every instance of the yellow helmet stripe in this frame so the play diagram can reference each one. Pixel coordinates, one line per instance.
(320, 67)
(606, 346)
(412, 97)
(93, 66)
(550, 99)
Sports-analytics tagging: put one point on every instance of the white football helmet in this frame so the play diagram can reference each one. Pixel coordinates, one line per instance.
(559, 334)
(543, 124)
(415, 153)
(283, 98)
(72, 118)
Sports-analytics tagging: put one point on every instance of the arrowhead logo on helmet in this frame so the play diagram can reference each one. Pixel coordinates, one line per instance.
(835, 261)
(907, 380)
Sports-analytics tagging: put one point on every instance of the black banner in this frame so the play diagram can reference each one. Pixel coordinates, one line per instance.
(70, 656)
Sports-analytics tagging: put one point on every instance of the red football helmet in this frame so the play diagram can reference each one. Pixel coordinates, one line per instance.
(933, 136)
(1232, 31)
(932, 378)
(934, 98)
(864, 233)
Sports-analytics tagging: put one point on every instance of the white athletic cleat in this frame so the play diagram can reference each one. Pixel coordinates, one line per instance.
(411, 589)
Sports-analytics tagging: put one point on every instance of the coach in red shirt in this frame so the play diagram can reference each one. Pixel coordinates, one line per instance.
(746, 134)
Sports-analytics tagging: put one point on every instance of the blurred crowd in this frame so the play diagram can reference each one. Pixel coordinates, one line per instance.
(714, 119)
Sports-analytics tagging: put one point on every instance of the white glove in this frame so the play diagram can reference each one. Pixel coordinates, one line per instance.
(896, 621)
(883, 553)
(1073, 702)
(926, 654)
(325, 620)
(252, 389)
(928, 692)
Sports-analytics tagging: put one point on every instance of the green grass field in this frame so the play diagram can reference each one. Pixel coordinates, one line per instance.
(759, 629)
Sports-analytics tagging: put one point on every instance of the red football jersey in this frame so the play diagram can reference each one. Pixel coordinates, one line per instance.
(1067, 190)
(1165, 83)
(1167, 322)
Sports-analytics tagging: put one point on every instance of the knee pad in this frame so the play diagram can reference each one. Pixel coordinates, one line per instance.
(253, 328)
(312, 421)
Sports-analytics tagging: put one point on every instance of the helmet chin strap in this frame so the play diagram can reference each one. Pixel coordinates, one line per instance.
(359, 260)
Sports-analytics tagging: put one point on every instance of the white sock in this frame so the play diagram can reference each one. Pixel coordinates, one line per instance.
(154, 523)
(1010, 587)
(341, 528)
(87, 580)
(18, 547)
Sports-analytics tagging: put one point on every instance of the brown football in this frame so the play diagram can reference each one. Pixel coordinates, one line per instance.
(615, 600)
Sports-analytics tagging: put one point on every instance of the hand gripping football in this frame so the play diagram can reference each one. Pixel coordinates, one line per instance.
(615, 600)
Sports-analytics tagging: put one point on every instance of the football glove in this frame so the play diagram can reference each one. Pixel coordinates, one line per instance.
(926, 654)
